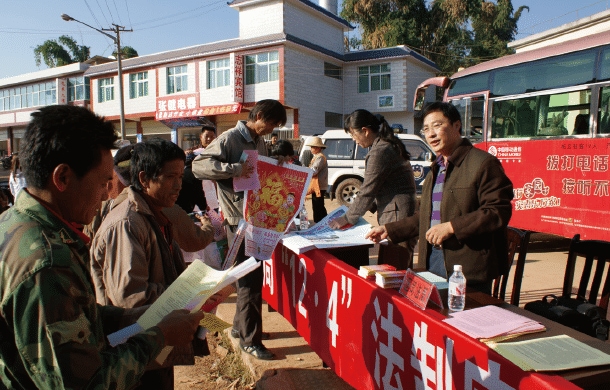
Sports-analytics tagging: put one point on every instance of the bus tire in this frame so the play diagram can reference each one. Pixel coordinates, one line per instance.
(347, 191)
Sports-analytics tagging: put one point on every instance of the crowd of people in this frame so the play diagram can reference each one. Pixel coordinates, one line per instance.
(93, 239)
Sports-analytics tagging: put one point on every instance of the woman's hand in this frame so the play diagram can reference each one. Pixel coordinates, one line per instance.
(338, 223)
(377, 234)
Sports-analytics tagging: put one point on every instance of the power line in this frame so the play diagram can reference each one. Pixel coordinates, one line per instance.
(547, 21)
(91, 12)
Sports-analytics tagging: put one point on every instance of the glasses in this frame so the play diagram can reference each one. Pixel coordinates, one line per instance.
(436, 126)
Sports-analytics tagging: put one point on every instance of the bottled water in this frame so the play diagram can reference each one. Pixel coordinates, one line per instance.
(303, 220)
(457, 289)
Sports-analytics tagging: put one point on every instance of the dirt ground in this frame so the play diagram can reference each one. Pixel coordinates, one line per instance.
(222, 369)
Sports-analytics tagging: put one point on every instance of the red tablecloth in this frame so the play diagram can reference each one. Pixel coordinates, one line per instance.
(374, 339)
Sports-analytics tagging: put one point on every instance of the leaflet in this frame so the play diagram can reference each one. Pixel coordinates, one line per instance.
(551, 354)
(190, 291)
(490, 322)
(270, 209)
(321, 236)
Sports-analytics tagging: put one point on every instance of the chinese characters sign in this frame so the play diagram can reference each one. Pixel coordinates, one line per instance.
(560, 186)
(374, 338)
(180, 106)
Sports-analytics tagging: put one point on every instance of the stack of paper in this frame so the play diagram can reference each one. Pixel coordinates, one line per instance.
(492, 323)
(390, 279)
(551, 354)
(368, 271)
(438, 281)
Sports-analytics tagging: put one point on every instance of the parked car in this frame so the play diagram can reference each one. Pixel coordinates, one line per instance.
(346, 162)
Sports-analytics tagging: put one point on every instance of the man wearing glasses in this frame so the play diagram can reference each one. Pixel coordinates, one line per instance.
(465, 205)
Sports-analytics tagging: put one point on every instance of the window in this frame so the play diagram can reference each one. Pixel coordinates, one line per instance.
(332, 119)
(374, 78)
(542, 116)
(262, 67)
(78, 88)
(177, 79)
(138, 85)
(333, 71)
(41, 94)
(105, 90)
(416, 149)
(4, 100)
(339, 149)
(219, 73)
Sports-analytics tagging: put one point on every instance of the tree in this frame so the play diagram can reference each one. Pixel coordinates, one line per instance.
(62, 51)
(127, 52)
(452, 33)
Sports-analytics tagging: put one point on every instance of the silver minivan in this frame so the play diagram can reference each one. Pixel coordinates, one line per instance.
(346, 162)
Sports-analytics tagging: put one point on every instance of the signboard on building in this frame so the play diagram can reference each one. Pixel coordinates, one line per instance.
(62, 91)
(186, 106)
(238, 76)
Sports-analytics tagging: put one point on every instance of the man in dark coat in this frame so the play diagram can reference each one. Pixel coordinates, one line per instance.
(465, 206)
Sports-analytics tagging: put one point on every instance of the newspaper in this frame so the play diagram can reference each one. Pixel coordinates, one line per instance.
(321, 236)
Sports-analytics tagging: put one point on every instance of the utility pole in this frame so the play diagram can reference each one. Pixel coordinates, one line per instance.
(117, 30)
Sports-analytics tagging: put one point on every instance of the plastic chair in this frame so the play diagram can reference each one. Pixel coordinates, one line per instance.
(595, 253)
(518, 241)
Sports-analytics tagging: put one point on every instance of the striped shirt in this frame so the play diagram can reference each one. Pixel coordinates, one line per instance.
(437, 192)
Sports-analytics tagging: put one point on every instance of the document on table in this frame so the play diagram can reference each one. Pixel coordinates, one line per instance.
(492, 323)
(321, 236)
(551, 354)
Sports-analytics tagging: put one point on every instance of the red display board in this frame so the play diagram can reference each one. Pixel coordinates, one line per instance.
(561, 186)
(375, 339)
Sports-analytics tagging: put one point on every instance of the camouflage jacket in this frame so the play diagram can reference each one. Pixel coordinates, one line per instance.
(52, 332)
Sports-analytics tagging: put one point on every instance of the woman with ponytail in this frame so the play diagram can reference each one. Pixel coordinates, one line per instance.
(389, 185)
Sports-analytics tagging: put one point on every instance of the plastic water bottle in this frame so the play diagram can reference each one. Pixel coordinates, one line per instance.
(303, 220)
(457, 289)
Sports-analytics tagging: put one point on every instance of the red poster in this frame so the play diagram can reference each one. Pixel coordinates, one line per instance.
(270, 209)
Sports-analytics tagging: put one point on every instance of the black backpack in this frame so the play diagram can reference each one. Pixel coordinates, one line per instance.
(575, 313)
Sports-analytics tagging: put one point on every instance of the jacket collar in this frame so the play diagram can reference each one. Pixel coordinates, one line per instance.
(460, 153)
(33, 208)
(245, 132)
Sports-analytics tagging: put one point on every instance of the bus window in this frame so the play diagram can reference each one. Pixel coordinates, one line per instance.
(472, 110)
(603, 119)
(563, 112)
(514, 118)
(546, 115)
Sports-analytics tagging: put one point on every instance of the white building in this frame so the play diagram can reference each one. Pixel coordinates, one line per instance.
(289, 50)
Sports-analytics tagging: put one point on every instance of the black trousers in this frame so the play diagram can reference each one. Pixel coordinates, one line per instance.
(317, 204)
(248, 320)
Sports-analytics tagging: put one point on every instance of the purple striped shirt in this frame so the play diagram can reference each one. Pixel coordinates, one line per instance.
(437, 192)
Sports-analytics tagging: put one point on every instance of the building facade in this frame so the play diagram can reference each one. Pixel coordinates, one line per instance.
(289, 50)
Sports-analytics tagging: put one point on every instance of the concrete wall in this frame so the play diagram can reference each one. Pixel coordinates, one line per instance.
(261, 20)
(309, 90)
(306, 23)
(370, 100)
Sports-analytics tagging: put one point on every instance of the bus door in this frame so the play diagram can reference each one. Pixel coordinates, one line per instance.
(474, 118)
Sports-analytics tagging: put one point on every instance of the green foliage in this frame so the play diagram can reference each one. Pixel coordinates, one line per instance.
(452, 33)
(127, 52)
(60, 52)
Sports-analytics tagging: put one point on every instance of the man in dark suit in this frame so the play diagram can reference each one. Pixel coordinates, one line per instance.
(465, 206)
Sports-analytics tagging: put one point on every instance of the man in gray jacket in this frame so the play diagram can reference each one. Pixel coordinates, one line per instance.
(465, 206)
(220, 161)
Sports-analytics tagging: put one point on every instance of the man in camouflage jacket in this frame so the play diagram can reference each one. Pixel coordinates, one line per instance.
(52, 332)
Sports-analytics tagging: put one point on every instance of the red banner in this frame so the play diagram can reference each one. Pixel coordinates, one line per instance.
(374, 339)
(561, 186)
